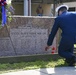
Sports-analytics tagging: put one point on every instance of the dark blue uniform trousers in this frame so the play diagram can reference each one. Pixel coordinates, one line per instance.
(66, 47)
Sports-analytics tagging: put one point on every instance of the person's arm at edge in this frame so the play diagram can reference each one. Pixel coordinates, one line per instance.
(52, 34)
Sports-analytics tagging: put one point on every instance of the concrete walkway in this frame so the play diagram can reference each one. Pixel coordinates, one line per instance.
(46, 71)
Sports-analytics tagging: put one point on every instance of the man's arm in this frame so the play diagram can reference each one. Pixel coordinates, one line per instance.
(52, 34)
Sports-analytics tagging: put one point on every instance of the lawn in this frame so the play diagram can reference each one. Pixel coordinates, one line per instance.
(7, 67)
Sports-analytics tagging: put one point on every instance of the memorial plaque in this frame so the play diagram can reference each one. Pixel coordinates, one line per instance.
(29, 40)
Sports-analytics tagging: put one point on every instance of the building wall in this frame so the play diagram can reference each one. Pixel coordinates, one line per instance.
(46, 9)
(19, 9)
(71, 4)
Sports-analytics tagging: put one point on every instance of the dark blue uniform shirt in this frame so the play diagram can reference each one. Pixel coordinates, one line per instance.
(67, 23)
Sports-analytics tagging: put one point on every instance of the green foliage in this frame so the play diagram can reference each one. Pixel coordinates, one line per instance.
(31, 65)
(8, 14)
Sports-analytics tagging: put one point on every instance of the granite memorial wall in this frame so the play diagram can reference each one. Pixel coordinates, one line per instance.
(26, 36)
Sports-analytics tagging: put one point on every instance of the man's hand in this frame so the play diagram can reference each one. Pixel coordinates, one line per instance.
(47, 47)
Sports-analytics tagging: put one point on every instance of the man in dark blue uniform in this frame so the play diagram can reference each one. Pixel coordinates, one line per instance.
(66, 21)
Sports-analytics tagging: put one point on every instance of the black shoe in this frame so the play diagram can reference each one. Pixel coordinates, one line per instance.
(72, 64)
(67, 61)
(72, 61)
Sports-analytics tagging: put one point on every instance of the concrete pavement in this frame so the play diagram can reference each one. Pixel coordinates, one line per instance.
(46, 71)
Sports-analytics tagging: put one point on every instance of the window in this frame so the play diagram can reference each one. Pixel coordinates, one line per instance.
(71, 9)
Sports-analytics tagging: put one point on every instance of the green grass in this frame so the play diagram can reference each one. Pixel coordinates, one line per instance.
(31, 65)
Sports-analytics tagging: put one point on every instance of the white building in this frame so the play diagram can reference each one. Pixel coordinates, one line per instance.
(28, 7)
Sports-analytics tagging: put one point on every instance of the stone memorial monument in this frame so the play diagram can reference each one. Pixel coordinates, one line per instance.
(26, 36)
